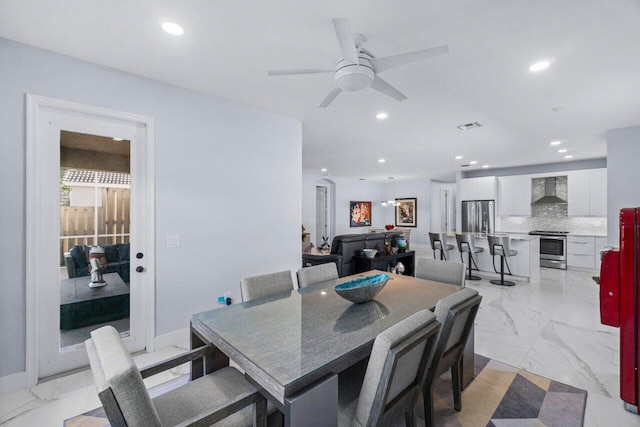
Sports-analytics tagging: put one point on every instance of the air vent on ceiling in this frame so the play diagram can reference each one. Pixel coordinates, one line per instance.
(464, 166)
(470, 126)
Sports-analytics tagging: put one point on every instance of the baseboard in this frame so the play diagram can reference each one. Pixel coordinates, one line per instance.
(14, 382)
(174, 338)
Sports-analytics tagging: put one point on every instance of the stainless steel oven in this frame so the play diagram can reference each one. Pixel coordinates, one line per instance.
(553, 248)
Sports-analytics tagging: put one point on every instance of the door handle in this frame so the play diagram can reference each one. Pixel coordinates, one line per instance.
(139, 269)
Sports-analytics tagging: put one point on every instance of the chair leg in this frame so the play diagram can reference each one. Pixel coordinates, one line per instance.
(456, 382)
(471, 276)
(434, 254)
(260, 413)
(427, 394)
(502, 282)
(410, 418)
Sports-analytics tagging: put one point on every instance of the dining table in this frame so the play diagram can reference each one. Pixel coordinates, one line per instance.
(293, 345)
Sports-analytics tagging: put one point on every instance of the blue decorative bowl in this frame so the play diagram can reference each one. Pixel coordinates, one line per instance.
(362, 289)
(401, 242)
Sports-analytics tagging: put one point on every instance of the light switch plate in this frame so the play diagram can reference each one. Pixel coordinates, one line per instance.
(173, 241)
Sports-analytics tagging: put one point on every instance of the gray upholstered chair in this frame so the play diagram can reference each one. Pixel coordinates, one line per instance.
(316, 274)
(499, 245)
(439, 243)
(456, 314)
(266, 285)
(441, 271)
(221, 395)
(467, 243)
(392, 378)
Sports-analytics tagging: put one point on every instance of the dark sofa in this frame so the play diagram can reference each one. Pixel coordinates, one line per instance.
(77, 260)
(346, 246)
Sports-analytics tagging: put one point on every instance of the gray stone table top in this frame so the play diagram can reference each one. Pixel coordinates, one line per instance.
(287, 342)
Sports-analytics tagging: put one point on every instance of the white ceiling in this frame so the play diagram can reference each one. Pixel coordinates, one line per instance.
(230, 44)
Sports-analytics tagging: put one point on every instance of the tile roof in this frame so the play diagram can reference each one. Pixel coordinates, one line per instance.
(86, 176)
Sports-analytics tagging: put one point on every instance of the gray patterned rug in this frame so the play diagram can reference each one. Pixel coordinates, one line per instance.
(500, 395)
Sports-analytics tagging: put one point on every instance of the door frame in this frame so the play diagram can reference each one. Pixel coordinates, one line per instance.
(35, 105)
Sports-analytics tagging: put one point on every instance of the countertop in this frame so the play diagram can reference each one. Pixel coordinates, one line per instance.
(514, 236)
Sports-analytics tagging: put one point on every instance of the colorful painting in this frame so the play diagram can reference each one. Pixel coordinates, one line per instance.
(360, 214)
(406, 212)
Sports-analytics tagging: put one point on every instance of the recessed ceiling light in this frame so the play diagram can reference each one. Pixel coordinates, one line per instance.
(172, 28)
(485, 166)
(542, 65)
(323, 169)
(118, 139)
(458, 157)
(381, 160)
(382, 116)
(562, 150)
(473, 162)
(568, 156)
(555, 143)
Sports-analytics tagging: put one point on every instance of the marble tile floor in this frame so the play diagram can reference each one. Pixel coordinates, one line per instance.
(551, 328)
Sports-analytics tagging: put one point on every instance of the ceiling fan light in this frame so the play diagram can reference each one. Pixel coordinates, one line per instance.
(353, 82)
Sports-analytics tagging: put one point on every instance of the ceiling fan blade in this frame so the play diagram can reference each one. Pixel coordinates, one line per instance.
(345, 39)
(384, 87)
(293, 72)
(388, 62)
(329, 99)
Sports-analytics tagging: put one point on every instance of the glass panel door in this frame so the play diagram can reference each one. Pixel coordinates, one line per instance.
(95, 195)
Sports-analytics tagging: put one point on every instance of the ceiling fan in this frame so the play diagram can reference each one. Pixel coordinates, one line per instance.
(359, 69)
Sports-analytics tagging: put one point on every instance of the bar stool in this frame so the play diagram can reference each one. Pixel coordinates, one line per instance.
(499, 245)
(439, 243)
(466, 243)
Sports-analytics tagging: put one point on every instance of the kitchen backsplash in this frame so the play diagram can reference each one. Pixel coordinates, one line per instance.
(553, 217)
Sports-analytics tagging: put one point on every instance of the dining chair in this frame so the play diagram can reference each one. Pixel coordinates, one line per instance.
(390, 384)
(449, 272)
(316, 274)
(456, 314)
(221, 395)
(266, 285)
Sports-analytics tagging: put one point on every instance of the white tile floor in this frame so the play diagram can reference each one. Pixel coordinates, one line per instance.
(551, 328)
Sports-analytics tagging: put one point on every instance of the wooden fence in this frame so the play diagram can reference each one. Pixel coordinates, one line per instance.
(77, 223)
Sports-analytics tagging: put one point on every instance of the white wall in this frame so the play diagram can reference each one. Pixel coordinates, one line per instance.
(348, 189)
(228, 181)
(623, 184)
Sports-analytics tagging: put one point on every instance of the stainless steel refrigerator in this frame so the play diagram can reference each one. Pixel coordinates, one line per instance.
(478, 216)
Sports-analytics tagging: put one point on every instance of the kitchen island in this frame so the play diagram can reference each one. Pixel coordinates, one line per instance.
(525, 266)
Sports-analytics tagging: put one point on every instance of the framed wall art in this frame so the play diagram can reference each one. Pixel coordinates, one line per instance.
(407, 212)
(360, 214)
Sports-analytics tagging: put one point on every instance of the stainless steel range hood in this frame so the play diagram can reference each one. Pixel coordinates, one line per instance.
(550, 196)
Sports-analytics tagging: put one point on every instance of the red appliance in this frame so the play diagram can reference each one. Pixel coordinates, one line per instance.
(620, 301)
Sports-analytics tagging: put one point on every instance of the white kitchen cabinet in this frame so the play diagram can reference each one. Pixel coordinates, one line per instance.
(514, 195)
(522, 195)
(601, 242)
(581, 252)
(587, 193)
(598, 192)
(578, 193)
(482, 188)
(505, 195)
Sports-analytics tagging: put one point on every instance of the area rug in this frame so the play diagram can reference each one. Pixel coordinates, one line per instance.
(499, 396)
